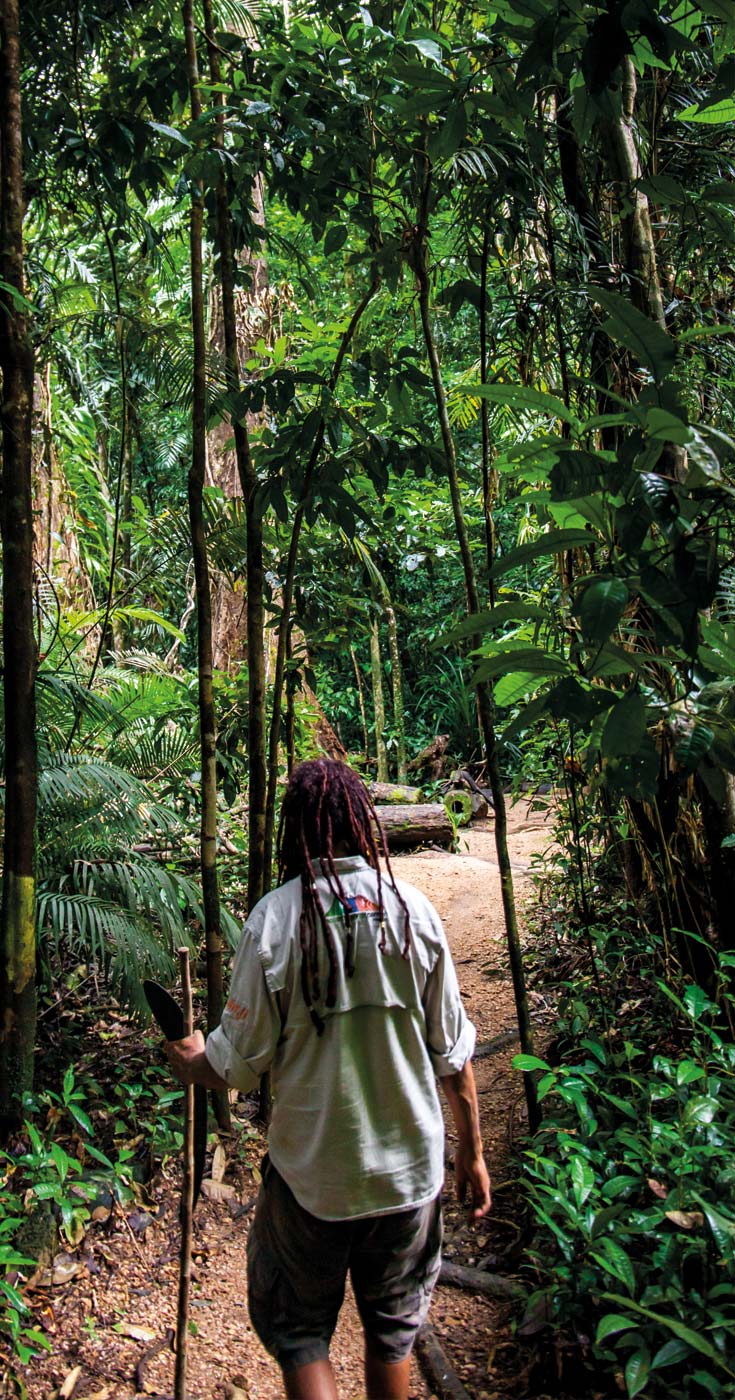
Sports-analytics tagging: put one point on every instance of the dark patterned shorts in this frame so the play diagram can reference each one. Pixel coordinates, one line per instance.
(298, 1266)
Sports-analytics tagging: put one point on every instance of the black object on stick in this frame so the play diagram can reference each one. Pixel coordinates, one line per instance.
(169, 1018)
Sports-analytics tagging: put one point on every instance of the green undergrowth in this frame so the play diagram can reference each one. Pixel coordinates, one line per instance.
(630, 1183)
(95, 1133)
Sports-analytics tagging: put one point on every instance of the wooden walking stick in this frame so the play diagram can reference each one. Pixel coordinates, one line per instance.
(187, 1198)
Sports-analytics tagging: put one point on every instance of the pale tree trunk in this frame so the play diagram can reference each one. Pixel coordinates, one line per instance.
(361, 699)
(376, 671)
(207, 722)
(18, 910)
(56, 546)
(396, 676)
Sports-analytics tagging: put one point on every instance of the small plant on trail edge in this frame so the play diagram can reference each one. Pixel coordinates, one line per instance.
(57, 1172)
(632, 1186)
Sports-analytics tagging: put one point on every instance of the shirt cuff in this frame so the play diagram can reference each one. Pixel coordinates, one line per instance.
(456, 1058)
(230, 1066)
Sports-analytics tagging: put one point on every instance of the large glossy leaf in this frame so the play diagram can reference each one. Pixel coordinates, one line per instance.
(531, 660)
(481, 622)
(638, 333)
(694, 746)
(510, 690)
(601, 606)
(553, 542)
(685, 1334)
(637, 1370)
(578, 473)
(520, 397)
(625, 727)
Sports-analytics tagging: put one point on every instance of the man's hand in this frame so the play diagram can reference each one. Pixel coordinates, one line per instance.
(470, 1173)
(469, 1164)
(189, 1062)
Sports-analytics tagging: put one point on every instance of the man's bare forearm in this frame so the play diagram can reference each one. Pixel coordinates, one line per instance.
(470, 1172)
(461, 1092)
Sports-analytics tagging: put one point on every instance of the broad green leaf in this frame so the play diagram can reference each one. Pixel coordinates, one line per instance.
(636, 1372)
(531, 660)
(694, 746)
(171, 132)
(428, 48)
(626, 324)
(716, 114)
(520, 397)
(578, 473)
(625, 727)
(583, 1179)
(494, 617)
(335, 239)
(617, 1262)
(601, 607)
(670, 1353)
(685, 1334)
(722, 1227)
(510, 690)
(528, 1062)
(553, 542)
(611, 1323)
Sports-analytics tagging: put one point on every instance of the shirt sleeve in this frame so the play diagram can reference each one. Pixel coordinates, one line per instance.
(450, 1035)
(243, 1045)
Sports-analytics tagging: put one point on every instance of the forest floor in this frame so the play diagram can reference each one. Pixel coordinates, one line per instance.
(111, 1318)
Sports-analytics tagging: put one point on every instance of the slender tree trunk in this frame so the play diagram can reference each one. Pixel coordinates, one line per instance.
(291, 685)
(420, 263)
(489, 471)
(207, 722)
(289, 581)
(640, 247)
(376, 671)
(361, 699)
(18, 911)
(257, 782)
(396, 676)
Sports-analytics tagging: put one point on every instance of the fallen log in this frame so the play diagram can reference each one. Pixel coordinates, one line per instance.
(437, 1367)
(422, 824)
(394, 793)
(479, 1281)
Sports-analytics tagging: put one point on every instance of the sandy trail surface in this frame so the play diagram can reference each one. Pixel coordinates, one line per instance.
(117, 1309)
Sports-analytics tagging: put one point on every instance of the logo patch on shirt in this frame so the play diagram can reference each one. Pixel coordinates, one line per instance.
(237, 1010)
(355, 904)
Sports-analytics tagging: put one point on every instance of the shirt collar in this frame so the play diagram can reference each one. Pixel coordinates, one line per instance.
(344, 864)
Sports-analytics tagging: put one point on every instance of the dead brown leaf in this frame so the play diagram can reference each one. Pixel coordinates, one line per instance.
(219, 1162)
(685, 1219)
(217, 1190)
(137, 1334)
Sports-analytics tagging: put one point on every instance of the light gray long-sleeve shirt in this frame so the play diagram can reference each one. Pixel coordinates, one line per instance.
(357, 1128)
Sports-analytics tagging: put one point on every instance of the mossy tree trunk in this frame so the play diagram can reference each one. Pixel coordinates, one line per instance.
(18, 911)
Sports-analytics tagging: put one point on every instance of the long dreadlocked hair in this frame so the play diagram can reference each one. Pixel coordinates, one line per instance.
(325, 805)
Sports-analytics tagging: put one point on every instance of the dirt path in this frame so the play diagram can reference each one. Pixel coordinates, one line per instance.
(130, 1283)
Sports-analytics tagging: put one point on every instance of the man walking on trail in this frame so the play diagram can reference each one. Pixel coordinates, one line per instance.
(343, 986)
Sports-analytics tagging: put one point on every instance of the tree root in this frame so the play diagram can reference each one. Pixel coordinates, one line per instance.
(437, 1367)
(479, 1281)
